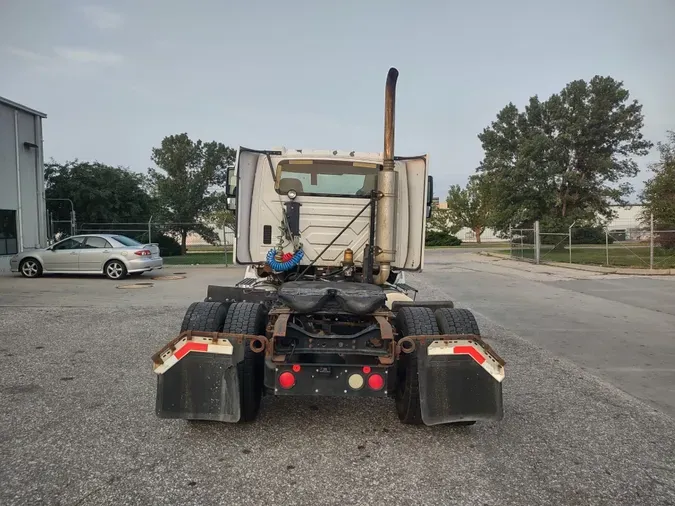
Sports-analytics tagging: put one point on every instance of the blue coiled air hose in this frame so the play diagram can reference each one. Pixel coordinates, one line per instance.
(284, 266)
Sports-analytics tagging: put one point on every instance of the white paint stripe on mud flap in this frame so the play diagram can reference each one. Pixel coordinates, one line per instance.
(168, 363)
(224, 347)
(221, 347)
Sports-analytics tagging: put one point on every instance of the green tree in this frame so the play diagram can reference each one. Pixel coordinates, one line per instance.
(658, 195)
(100, 193)
(470, 207)
(222, 218)
(186, 184)
(439, 221)
(566, 158)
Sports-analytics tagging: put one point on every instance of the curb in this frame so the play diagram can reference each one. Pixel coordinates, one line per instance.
(595, 268)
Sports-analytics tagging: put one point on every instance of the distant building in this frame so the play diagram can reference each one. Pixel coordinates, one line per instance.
(23, 222)
(627, 225)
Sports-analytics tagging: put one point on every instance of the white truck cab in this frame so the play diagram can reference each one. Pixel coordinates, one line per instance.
(325, 191)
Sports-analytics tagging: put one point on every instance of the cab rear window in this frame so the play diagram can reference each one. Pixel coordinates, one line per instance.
(326, 178)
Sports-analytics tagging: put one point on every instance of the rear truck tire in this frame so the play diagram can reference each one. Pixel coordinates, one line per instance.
(248, 318)
(205, 317)
(30, 268)
(411, 321)
(457, 321)
(115, 270)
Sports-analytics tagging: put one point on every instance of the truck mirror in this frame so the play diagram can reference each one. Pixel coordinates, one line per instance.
(231, 199)
(430, 195)
(231, 183)
(430, 190)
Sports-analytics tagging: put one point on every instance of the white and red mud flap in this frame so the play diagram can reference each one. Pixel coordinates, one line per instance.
(460, 380)
(197, 379)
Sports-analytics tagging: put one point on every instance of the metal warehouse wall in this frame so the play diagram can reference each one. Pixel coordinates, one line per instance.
(22, 187)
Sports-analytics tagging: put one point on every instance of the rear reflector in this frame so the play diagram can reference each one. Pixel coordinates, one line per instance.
(286, 380)
(171, 356)
(471, 348)
(376, 382)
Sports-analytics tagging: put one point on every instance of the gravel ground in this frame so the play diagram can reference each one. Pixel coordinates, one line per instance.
(79, 426)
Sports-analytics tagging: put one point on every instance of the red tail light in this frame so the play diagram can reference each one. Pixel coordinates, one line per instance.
(286, 380)
(376, 382)
(143, 253)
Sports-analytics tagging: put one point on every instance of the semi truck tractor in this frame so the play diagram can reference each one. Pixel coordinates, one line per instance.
(323, 309)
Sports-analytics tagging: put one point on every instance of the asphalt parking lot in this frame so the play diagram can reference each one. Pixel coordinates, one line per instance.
(78, 423)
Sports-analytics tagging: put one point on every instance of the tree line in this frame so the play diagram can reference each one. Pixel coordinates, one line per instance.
(184, 191)
(565, 159)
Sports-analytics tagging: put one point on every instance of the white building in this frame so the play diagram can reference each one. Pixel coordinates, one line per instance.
(627, 223)
(22, 191)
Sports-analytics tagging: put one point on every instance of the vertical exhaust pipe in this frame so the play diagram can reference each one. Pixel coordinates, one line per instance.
(386, 186)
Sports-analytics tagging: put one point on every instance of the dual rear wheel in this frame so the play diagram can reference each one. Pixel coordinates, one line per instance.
(411, 321)
(250, 318)
(235, 318)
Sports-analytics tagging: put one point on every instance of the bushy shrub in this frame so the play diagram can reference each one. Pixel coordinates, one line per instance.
(594, 235)
(434, 238)
(168, 246)
(666, 240)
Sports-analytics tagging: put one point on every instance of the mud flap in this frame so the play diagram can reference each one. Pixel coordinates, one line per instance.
(201, 386)
(456, 388)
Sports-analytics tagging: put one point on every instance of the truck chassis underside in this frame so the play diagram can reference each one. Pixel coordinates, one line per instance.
(329, 354)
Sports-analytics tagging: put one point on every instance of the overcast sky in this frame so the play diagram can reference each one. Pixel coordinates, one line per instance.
(116, 76)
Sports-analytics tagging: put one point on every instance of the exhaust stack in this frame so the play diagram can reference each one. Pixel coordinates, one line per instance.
(386, 186)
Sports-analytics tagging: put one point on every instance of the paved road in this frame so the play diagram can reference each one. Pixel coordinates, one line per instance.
(78, 427)
(620, 328)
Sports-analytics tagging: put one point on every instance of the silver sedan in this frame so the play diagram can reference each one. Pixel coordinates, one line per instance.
(116, 256)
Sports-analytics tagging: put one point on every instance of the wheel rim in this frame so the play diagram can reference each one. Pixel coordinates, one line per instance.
(114, 270)
(29, 268)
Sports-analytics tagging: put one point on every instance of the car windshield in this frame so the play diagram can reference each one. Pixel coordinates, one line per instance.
(325, 177)
(127, 241)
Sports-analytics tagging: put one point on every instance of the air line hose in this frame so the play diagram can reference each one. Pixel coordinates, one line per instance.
(287, 265)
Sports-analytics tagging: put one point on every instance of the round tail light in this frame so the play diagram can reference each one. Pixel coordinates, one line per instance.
(376, 382)
(286, 380)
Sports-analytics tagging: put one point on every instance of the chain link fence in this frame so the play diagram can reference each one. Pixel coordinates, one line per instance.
(636, 246)
(522, 244)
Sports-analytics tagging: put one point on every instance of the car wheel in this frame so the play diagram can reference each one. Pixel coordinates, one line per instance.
(115, 270)
(30, 268)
